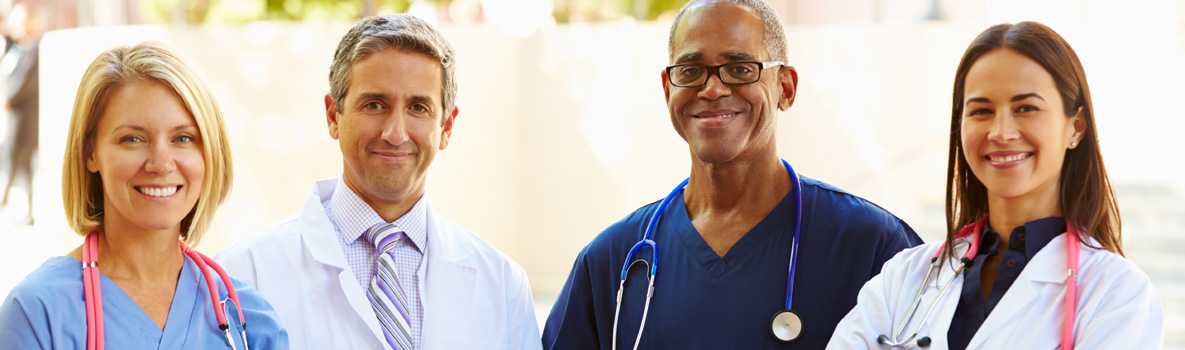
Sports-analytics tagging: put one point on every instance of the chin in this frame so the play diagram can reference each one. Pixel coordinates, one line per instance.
(1007, 189)
(716, 153)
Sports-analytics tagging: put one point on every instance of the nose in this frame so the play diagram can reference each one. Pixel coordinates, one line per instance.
(714, 88)
(1004, 128)
(395, 129)
(160, 159)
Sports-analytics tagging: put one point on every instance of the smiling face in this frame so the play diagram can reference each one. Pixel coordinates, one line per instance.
(389, 126)
(147, 151)
(722, 122)
(1015, 131)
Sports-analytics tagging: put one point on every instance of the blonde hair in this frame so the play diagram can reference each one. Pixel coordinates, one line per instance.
(82, 191)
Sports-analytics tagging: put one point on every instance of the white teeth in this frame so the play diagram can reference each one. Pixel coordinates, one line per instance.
(158, 191)
(1011, 158)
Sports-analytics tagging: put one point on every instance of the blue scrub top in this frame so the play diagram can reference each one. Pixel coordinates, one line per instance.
(704, 301)
(47, 311)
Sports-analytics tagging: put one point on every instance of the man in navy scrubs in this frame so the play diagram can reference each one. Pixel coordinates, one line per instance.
(725, 240)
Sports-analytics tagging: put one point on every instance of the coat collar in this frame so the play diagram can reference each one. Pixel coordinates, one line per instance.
(319, 234)
(1047, 267)
(449, 273)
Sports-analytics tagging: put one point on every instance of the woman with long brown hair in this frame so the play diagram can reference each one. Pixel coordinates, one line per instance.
(1034, 255)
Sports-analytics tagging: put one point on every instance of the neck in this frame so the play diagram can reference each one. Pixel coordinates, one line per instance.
(389, 208)
(128, 253)
(739, 185)
(1006, 214)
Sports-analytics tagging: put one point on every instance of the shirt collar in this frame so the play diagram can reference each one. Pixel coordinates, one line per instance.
(1029, 238)
(352, 216)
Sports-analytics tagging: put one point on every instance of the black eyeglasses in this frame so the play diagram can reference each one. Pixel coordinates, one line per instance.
(732, 73)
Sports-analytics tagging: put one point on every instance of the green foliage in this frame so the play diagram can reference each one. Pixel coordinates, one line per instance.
(197, 12)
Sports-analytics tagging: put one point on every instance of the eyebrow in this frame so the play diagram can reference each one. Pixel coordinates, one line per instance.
(689, 57)
(732, 56)
(385, 97)
(142, 129)
(738, 56)
(1014, 98)
(1028, 95)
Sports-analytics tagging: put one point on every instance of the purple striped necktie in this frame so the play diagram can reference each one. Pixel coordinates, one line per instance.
(386, 296)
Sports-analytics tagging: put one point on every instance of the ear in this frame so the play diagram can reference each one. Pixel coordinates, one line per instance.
(92, 165)
(331, 116)
(788, 79)
(1078, 122)
(666, 85)
(446, 128)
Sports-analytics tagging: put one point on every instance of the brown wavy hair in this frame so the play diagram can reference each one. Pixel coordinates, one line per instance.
(1085, 195)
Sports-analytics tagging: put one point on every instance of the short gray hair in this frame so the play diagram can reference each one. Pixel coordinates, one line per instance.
(774, 37)
(401, 32)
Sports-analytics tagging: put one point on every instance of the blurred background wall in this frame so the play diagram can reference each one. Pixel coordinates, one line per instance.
(563, 129)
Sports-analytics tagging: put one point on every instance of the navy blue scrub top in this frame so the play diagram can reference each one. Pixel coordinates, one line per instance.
(1025, 242)
(704, 301)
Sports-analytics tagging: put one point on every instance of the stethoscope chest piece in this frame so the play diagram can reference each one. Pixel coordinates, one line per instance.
(786, 326)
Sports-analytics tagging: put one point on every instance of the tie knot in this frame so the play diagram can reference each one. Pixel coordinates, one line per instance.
(384, 236)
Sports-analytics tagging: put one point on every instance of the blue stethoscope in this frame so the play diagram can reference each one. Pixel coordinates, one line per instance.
(785, 325)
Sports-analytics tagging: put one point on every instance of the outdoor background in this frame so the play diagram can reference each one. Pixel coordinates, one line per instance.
(563, 128)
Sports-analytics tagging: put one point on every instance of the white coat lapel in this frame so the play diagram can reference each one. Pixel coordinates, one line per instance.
(449, 291)
(323, 246)
(1027, 295)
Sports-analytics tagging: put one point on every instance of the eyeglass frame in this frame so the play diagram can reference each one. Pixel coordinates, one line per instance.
(715, 70)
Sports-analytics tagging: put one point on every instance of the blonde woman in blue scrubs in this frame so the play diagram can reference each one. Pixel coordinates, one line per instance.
(147, 163)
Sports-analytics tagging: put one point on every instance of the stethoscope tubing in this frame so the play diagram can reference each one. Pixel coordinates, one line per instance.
(647, 241)
(93, 295)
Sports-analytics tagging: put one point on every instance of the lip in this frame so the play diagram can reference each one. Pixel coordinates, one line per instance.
(715, 118)
(393, 156)
(1007, 159)
(158, 192)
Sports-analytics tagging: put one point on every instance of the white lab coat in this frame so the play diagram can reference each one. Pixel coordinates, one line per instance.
(474, 297)
(1117, 306)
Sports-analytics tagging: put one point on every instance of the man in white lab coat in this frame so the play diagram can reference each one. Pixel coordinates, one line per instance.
(368, 263)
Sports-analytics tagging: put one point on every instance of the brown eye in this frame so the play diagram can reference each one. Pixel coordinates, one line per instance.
(1027, 108)
(420, 108)
(373, 106)
(979, 112)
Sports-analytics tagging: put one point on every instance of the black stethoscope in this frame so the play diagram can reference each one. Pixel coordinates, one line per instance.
(785, 325)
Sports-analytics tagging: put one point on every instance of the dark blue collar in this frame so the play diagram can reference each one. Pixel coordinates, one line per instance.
(1028, 238)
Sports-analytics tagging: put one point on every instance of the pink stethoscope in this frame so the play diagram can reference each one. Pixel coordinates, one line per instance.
(974, 230)
(94, 296)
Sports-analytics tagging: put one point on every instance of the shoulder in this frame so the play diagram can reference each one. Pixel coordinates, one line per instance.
(1102, 269)
(488, 258)
(277, 242)
(859, 215)
(58, 279)
(266, 331)
(913, 258)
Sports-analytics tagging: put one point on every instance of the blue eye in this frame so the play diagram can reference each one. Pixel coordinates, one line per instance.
(131, 139)
(183, 138)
